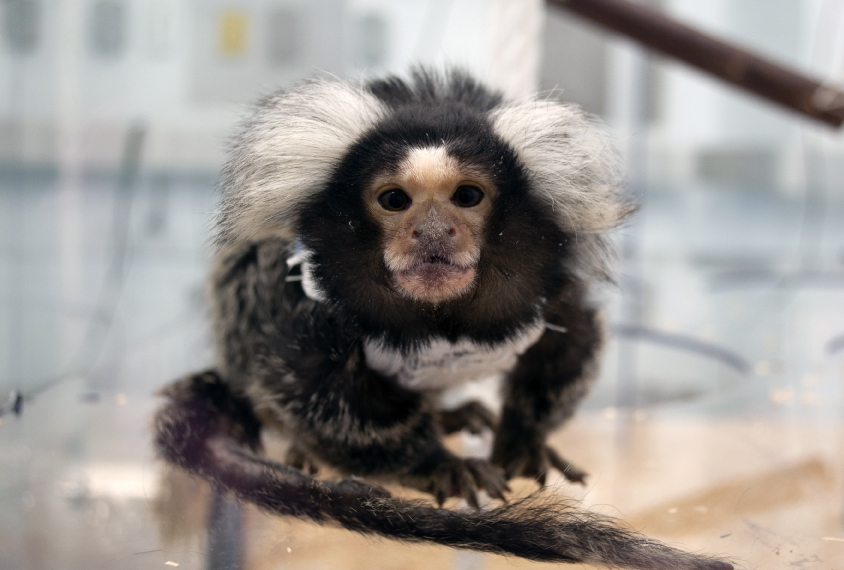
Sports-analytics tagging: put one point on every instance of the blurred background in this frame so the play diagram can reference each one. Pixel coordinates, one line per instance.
(114, 118)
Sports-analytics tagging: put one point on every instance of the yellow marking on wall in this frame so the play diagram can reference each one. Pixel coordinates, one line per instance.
(233, 33)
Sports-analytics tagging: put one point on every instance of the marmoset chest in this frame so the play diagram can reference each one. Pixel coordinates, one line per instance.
(441, 364)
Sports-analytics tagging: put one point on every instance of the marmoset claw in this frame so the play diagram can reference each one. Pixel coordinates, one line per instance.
(534, 463)
(461, 477)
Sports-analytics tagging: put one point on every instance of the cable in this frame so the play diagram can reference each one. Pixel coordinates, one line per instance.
(683, 342)
(114, 278)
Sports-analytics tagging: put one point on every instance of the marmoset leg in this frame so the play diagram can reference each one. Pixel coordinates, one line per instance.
(543, 391)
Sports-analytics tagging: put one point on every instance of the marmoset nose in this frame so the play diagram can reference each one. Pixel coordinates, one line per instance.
(433, 227)
(419, 231)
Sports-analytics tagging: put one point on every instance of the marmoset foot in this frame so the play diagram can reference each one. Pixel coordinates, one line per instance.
(535, 462)
(450, 476)
(570, 471)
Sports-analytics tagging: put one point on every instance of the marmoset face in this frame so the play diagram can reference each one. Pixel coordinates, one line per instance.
(433, 212)
(428, 207)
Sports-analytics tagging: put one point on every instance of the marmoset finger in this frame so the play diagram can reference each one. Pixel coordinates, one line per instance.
(442, 485)
(467, 485)
(489, 478)
(569, 471)
(516, 467)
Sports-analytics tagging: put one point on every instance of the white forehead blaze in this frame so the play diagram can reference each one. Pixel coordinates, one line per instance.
(429, 166)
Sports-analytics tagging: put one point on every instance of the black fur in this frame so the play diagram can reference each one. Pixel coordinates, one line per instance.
(431, 89)
(300, 363)
(525, 253)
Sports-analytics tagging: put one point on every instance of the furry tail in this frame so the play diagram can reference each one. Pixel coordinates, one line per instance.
(207, 430)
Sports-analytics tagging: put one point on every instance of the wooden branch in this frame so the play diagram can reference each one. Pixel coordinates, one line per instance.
(722, 59)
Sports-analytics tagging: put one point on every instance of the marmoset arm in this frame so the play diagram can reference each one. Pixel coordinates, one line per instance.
(545, 387)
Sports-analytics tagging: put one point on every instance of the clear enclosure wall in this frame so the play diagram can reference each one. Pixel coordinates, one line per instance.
(114, 122)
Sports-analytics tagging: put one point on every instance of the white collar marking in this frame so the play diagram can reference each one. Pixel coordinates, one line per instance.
(301, 257)
(441, 363)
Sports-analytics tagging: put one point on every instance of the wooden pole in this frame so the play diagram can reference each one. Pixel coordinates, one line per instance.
(729, 62)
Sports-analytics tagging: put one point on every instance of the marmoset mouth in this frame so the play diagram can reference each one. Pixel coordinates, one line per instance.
(438, 259)
(435, 279)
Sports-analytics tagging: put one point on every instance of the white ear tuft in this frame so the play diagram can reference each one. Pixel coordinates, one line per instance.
(571, 163)
(286, 151)
(573, 167)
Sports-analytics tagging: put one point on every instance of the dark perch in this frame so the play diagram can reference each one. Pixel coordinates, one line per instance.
(724, 60)
(223, 551)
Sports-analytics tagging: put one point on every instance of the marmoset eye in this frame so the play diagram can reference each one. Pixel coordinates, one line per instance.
(394, 200)
(467, 196)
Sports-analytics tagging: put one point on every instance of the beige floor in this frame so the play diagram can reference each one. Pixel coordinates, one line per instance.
(765, 493)
(80, 491)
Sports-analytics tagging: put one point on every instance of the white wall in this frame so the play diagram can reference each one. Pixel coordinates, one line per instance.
(171, 75)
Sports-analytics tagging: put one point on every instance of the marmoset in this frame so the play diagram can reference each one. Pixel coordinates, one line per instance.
(377, 244)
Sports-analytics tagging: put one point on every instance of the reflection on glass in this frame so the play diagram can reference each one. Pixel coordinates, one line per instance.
(739, 347)
(108, 28)
(21, 25)
(233, 33)
(372, 40)
(283, 36)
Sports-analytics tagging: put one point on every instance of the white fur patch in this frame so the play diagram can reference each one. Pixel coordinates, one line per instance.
(309, 284)
(571, 162)
(287, 151)
(430, 166)
(441, 364)
(289, 147)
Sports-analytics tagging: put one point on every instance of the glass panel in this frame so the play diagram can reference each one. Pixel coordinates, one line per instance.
(715, 419)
